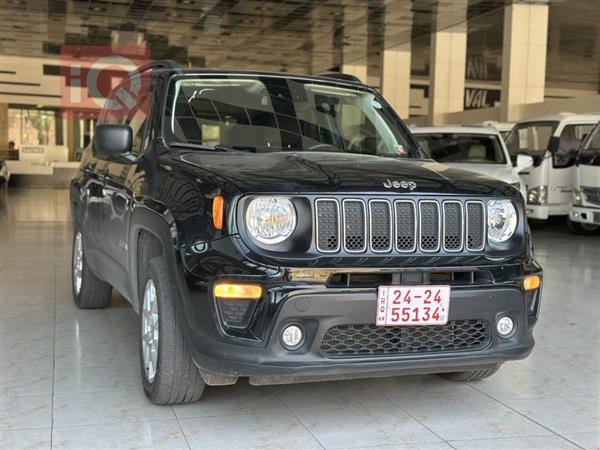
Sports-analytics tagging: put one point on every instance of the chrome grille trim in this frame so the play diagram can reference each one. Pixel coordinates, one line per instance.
(483, 225)
(365, 236)
(361, 225)
(338, 220)
(462, 225)
(437, 205)
(414, 230)
(390, 231)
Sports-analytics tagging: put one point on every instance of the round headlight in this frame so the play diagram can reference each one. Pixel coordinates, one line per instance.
(270, 220)
(502, 220)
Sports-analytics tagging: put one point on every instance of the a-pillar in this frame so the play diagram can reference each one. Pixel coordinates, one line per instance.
(523, 57)
(448, 60)
(396, 56)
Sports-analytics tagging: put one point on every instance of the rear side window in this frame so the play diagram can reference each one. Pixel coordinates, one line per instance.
(463, 148)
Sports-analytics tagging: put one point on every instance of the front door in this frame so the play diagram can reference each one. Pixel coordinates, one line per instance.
(562, 173)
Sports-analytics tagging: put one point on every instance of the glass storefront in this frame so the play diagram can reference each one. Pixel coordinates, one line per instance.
(35, 127)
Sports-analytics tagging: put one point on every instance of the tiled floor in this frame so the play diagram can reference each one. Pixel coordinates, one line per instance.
(69, 378)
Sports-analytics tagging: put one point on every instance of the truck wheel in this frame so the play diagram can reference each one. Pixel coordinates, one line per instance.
(169, 375)
(585, 229)
(472, 375)
(89, 291)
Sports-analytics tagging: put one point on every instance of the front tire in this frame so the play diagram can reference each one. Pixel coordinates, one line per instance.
(169, 374)
(472, 375)
(89, 291)
(582, 228)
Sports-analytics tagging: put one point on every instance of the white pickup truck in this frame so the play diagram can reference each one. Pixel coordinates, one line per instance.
(584, 217)
(479, 149)
(552, 142)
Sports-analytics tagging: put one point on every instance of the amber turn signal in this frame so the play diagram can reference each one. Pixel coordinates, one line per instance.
(217, 212)
(531, 282)
(237, 291)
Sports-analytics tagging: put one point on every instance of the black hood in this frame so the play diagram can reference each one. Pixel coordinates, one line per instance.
(295, 172)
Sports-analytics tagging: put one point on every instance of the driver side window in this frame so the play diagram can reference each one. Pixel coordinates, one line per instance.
(570, 138)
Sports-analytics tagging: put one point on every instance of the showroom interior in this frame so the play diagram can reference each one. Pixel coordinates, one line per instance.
(515, 79)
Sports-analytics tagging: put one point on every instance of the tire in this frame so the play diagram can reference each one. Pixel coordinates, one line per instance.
(171, 377)
(582, 229)
(472, 375)
(90, 292)
(536, 224)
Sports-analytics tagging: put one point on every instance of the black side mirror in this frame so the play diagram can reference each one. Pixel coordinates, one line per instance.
(553, 144)
(114, 143)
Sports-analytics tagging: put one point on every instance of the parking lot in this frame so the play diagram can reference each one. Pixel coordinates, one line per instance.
(70, 378)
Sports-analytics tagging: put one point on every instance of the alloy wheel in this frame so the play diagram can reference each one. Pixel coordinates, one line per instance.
(150, 330)
(77, 263)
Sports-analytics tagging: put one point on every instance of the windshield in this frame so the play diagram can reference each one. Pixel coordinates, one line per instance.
(272, 114)
(589, 155)
(462, 147)
(530, 138)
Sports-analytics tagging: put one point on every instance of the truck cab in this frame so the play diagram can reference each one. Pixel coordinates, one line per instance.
(552, 142)
(584, 217)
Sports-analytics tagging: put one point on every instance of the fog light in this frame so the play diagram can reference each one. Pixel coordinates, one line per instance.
(505, 326)
(292, 337)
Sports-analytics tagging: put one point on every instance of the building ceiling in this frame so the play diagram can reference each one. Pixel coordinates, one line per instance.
(290, 35)
(293, 35)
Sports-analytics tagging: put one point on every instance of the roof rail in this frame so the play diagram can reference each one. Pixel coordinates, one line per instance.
(160, 64)
(341, 76)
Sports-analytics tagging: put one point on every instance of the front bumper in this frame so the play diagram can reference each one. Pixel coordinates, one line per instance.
(222, 359)
(585, 214)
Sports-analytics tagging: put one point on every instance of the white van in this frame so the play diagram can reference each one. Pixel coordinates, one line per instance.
(552, 142)
(478, 149)
(584, 217)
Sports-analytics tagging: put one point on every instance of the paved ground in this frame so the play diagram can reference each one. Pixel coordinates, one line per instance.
(69, 378)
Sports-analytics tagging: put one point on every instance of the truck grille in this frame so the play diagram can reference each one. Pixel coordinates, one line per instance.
(380, 225)
(370, 340)
(592, 194)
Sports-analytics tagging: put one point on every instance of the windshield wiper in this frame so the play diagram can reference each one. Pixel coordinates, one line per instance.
(216, 148)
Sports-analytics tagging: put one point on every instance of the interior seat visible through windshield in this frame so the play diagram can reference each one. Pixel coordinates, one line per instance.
(268, 113)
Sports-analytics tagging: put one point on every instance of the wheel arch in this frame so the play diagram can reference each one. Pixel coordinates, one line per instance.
(151, 233)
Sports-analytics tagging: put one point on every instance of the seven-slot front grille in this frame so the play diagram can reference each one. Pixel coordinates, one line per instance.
(380, 225)
(345, 341)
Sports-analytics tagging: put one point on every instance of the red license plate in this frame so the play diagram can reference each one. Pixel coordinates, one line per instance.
(413, 305)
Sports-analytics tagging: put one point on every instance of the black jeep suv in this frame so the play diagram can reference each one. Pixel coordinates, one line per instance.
(288, 228)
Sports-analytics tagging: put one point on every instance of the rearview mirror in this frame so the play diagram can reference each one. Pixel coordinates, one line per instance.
(523, 162)
(114, 142)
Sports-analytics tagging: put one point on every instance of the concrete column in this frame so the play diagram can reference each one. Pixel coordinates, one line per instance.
(355, 41)
(523, 57)
(3, 130)
(448, 60)
(396, 56)
(321, 40)
(396, 78)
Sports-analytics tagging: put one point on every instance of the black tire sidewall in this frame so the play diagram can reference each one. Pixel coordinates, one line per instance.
(576, 228)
